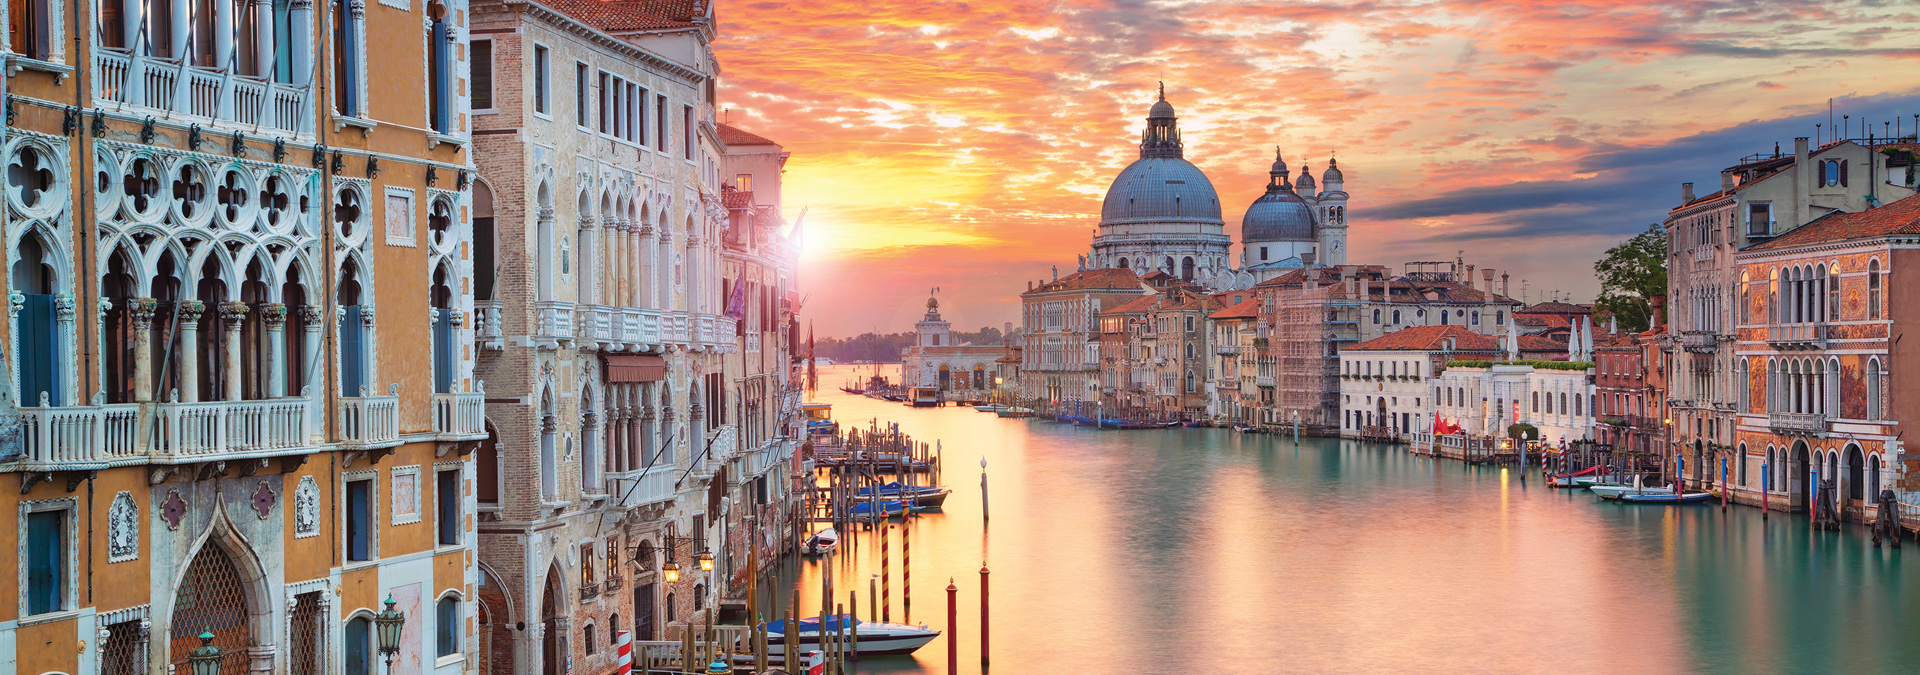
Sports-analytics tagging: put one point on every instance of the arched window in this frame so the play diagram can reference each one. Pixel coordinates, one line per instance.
(38, 353)
(1773, 296)
(485, 263)
(1741, 459)
(353, 333)
(1396, 317)
(1873, 477)
(440, 300)
(1740, 296)
(447, 626)
(1186, 268)
(1873, 289)
(1500, 318)
(549, 460)
(358, 647)
(1474, 318)
(1376, 316)
(1872, 377)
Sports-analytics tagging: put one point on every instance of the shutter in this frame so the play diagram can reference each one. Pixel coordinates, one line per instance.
(39, 360)
(356, 647)
(443, 350)
(352, 368)
(359, 520)
(1843, 172)
(46, 582)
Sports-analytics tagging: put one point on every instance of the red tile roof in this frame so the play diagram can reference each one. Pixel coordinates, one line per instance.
(1249, 309)
(1555, 307)
(1113, 279)
(617, 17)
(1429, 338)
(1900, 217)
(732, 135)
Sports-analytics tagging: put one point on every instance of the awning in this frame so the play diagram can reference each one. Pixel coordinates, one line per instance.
(635, 368)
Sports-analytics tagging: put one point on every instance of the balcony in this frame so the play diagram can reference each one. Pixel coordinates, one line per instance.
(487, 325)
(1797, 424)
(1699, 341)
(619, 329)
(460, 416)
(99, 436)
(640, 488)
(1227, 349)
(552, 323)
(370, 422)
(129, 78)
(1797, 336)
(697, 330)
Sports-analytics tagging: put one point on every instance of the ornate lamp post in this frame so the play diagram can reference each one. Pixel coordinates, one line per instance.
(388, 624)
(205, 659)
(706, 561)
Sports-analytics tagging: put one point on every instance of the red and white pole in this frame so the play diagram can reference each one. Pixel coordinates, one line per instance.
(623, 653)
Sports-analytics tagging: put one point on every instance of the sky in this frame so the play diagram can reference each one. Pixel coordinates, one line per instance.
(967, 145)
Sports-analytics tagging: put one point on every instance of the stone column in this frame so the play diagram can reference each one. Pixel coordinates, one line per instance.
(189, 329)
(275, 318)
(234, 316)
(300, 22)
(641, 284)
(142, 310)
(312, 379)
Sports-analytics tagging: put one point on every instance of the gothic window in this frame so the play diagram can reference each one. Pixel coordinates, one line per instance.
(1873, 289)
(212, 598)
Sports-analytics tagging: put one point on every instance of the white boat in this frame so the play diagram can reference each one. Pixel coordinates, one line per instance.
(1612, 491)
(989, 408)
(821, 543)
(876, 639)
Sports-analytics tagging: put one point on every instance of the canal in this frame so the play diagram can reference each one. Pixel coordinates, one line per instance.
(1207, 551)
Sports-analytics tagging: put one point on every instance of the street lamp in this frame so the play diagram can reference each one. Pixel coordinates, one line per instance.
(205, 659)
(671, 571)
(388, 623)
(706, 561)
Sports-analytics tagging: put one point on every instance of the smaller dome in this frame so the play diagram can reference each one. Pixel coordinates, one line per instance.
(1279, 165)
(1306, 179)
(1333, 172)
(1161, 110)
(1278, 215)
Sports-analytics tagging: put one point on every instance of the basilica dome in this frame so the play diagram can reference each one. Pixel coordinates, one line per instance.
(1280, 214)
(1161, 188)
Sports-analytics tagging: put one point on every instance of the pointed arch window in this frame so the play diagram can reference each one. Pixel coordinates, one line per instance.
(212, 598)
(36, 323)
(1873, 289)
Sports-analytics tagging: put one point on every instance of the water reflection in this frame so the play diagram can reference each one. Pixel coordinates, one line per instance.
(1201, 550)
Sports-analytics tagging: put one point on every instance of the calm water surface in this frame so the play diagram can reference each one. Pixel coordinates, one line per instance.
(1206, 551)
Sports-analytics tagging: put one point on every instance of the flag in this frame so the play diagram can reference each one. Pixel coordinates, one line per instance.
(737, 305)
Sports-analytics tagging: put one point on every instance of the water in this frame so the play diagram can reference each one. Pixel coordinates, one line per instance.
(1206, 551)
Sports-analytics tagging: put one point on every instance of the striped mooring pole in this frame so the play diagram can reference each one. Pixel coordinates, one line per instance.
(623, 653)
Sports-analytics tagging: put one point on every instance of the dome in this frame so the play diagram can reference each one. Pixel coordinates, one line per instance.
(1161, 109)
(1333, 173)
(1161, 188)
(1305, 183)
(1278, 215)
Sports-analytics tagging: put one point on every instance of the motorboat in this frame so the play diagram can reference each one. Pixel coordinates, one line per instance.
(1668, 498)
(1015, 411)
(886, 508)
(989, 408)
(876, 639)
(923, 496)
(924, 397)
(821, 543)
(1607, 491)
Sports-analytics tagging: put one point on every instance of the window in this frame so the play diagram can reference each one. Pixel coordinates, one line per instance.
(28, 29)
(359, 646)
(540, 79)
(46, 559)
(1873, 389)
(743, 182)
(439, 70)
(635, 105)
(1759, 219)
(686, 131)
(613, 564)
(588, 636)
(580, 86)
(447, 627)
(587, 564)
(346, 59)
(360, 520)
(447, 496)
(480, 74)
(640, 117)
(1873, 289)
(606, 100)
(660, 122)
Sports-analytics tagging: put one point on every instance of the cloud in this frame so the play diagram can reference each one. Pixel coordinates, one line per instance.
(967, 145)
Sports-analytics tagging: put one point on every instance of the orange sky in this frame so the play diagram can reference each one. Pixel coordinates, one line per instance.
(966, 145)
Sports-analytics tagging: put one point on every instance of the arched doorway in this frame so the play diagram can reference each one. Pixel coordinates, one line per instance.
(213, 598)
(1800, 478)
(1380, 414)
(496, 649)
(553, 655)
(1856, 470)
(1699, 462)
(946, 377)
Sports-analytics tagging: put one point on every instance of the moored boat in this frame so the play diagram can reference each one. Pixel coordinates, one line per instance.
(821, 543)
(924, 496)
(1668, 498)
(887, 508)
(989, 408)
(876, 639)
(1016, 411)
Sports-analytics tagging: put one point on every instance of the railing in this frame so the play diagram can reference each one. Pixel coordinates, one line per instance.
(631, 328)
(126, 433)
(553, 320)
(1699, 341)
(80, 434)
(126, 77)
(370, 422)
(487, 322)
(1802, 424)
(696, 329)
(1798, 336)
(460, 414)
(1226, 350)
(639, 488)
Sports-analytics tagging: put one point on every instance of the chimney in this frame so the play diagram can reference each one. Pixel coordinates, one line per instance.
(1686, 194)
(1468, 280)
(1726, 181)
(1486, 274)
(1029, 284)
(1802, 183)
(1658, 304)
(1503, 285)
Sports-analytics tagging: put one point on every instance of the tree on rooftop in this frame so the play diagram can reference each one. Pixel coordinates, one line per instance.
(1630, 275)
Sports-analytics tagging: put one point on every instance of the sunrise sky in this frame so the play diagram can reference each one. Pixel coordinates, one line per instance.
(967, 145)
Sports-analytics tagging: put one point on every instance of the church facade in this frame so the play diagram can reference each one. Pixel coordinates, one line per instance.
(935, 361)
